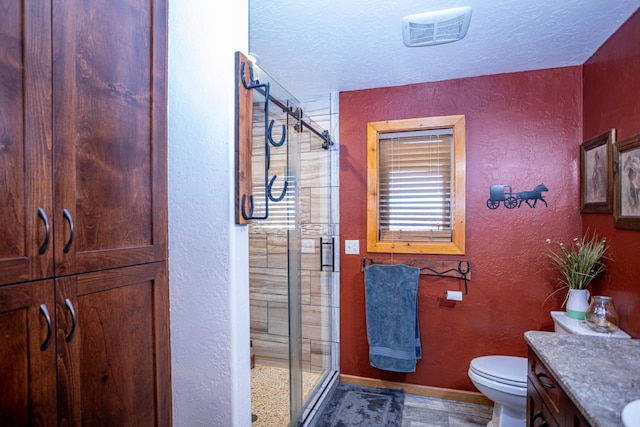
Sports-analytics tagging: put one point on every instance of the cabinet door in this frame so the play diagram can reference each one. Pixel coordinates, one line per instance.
(109, 101)
(574, 417)
(26, 249)
(113, 348)
(27, 355)
(538, 414)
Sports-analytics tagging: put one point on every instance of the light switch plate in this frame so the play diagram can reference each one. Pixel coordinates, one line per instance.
(352, 247)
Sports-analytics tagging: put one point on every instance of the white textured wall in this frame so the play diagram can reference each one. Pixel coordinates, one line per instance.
(208, 253)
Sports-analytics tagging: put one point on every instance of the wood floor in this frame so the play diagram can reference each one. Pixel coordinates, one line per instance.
(270, 402)
(420, 411)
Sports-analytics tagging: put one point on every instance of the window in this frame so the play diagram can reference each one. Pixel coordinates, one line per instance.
(416, 186)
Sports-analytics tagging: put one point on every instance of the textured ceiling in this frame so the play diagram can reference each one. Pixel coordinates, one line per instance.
(319, 46)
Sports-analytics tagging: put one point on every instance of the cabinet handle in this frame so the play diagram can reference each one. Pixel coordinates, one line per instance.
(539, 415)
(45, 313)
(67, 216)
(42, 214)
(545, 384)
(69, 304)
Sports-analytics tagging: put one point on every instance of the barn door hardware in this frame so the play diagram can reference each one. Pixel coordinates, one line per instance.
(302, 125)
(246, 85)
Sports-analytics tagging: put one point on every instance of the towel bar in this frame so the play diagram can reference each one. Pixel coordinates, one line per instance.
(459, 269)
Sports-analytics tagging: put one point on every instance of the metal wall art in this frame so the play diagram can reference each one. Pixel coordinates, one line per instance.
(504, 193)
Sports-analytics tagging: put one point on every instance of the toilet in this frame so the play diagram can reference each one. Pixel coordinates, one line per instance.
(503, 379)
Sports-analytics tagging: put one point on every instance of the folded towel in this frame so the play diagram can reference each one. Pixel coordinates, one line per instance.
(393, 332)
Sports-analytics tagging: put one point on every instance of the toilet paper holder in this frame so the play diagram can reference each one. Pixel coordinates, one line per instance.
(456, 269)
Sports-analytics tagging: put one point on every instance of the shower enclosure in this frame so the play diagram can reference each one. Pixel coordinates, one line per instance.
(293, 254)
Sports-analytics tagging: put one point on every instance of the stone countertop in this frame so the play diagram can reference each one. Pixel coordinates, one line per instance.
(600, 374)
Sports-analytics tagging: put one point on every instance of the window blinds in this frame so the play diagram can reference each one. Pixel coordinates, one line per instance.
(415, 185)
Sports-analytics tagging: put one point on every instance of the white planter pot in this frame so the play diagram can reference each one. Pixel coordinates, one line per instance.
(577, 303)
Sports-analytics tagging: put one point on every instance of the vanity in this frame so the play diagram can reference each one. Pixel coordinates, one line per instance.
(580, 381)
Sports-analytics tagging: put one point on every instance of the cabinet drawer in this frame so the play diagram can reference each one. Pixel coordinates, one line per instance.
(545, 384)
(538, 414)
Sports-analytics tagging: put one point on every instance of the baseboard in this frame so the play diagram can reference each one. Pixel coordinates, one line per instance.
(421, 390)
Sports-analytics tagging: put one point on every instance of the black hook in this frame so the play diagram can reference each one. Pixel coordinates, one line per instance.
(251, 206)
(463, 273)
(284, 189)
(270, 135)
(252, 83)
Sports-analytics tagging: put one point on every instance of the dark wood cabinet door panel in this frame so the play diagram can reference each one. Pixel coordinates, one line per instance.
(109, 62)
(27, 355)
(83, 213)
(115, 368)
(25, 141)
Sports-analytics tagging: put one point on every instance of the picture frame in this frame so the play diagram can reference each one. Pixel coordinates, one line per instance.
(626, 191)
(596, 173)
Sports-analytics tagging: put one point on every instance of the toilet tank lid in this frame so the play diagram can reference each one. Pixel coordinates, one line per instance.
(580, 327)
(510, 368)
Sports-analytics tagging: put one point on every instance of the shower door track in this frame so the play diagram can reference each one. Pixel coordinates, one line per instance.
(297, 114)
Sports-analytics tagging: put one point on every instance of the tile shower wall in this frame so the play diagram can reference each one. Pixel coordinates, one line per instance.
(268, 251)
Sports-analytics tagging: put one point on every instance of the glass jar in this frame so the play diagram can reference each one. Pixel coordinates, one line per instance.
(601, 316)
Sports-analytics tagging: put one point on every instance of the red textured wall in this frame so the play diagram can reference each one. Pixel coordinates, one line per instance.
(612, 100)
(522, 129)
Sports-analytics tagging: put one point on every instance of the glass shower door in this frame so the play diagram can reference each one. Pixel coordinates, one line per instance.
(291, 262)
(317, 267)
(311, 273)
(273, 262)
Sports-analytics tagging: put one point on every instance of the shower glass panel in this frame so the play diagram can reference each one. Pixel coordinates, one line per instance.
(291, 262)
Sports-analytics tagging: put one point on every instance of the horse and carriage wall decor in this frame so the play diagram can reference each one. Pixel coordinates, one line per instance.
(504, 193)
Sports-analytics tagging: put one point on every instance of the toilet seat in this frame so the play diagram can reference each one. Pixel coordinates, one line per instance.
(508, 370)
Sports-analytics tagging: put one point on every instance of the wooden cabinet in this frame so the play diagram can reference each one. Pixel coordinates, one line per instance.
(26, 198)
(109, 133)
(88, 350)
(27, 355)
(82, 136)
(83, 213)
(113, 360)
(547, 403)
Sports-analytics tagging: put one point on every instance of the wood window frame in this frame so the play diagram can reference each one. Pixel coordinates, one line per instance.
(457, 244)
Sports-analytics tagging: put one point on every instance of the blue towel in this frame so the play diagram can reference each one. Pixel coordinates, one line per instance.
(393, 332)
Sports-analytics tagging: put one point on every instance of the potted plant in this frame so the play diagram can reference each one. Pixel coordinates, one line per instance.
(580, 262)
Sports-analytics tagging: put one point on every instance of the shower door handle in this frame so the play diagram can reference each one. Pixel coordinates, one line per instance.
(333, 263)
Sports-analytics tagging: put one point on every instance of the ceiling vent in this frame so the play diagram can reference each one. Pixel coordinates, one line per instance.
(437, 27)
